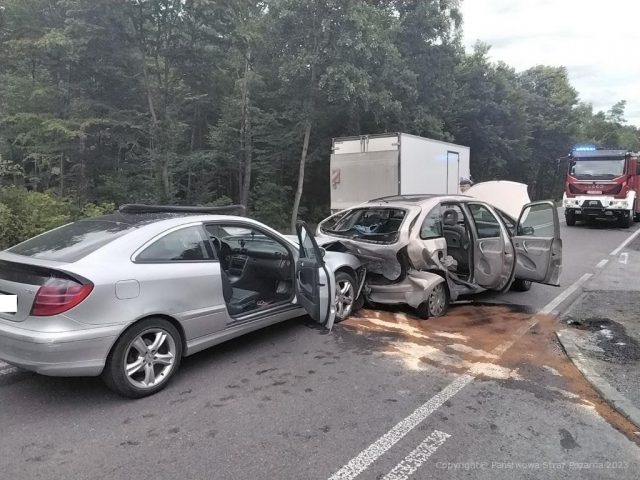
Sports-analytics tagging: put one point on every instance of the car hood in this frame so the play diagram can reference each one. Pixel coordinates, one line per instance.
(508, 196)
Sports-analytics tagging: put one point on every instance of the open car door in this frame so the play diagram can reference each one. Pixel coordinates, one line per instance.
(315, 284)
(538, 244)
(493, 254)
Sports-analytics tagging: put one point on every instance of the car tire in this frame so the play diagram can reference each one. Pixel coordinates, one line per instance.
(625, 222)
(147, 360)
(521, 285)
(370, 304)
(571, 219)
(437, 303)
(346, 290)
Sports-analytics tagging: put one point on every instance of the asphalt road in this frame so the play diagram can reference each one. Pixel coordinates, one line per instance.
(482, 393)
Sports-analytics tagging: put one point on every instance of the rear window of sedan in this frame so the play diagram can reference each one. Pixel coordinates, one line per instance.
(373, 224)
(72, 242)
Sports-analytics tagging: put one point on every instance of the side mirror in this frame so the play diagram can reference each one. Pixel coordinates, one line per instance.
(527, 231)
(323, 252)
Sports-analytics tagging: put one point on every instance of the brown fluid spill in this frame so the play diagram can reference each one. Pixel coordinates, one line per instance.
(465, 340)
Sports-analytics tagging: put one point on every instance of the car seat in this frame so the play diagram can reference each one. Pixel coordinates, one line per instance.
(238, 300)
(457, 239)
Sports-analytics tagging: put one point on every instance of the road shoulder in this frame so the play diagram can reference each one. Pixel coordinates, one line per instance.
(602, 333)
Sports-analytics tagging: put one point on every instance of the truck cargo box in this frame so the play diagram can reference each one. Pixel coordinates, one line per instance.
(374, 166)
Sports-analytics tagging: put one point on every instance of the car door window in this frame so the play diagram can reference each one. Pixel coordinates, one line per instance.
(307, 247)
(186, 244)
(509, 222)
(432, 225)
(487, 225)
(537, 221)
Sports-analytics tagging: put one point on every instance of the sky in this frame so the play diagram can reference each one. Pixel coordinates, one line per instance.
(598, 41)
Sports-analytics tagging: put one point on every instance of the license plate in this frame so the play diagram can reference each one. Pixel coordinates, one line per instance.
(594, 192)
(8, 303)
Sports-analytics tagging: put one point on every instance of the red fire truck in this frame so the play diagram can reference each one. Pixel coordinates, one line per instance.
(602, 183)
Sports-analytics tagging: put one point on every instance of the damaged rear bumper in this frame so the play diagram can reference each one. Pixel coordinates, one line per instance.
(413, 290)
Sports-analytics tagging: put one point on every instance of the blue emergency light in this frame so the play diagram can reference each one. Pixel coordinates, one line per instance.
(584, 148)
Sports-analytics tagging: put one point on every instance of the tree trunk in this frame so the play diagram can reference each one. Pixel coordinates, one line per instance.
(165, 179)
(309, 110)
(303, 160)
(247, 140)
(539, 188)
(61, 175)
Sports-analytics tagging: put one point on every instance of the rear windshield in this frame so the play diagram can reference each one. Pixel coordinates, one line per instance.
(376, 224)
(72, 242)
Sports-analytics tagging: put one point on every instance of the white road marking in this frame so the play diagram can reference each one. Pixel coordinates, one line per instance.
(625, 243)
(553, 304)
(623, 258)
(417, 457)
(361, 462)
(602, 263)
(364, 459)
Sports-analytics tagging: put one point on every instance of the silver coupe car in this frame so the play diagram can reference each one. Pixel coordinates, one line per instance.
(428, 250)
(127, 295)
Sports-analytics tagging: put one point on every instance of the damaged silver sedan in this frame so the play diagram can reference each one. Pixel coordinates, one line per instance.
(426, 251)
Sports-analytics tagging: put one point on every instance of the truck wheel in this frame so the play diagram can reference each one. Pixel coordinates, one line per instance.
(625, 222)
(437, 303)
(571, 218)
(636, 217)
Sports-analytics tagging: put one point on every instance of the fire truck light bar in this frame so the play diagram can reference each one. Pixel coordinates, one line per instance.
(584, 148)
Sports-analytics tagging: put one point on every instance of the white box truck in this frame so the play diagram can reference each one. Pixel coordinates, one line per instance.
(374, 166)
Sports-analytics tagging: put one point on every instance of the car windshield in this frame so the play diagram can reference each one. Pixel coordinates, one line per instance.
(376, 224)
(597, 169)
(73, 241)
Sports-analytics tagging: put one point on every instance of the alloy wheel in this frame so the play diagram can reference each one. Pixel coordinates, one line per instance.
(345, 296)
(437, 300)
(150, 358)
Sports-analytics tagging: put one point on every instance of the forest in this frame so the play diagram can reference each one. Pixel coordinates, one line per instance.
(213, 102)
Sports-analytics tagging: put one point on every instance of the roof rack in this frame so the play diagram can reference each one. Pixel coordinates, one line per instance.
(223, 210)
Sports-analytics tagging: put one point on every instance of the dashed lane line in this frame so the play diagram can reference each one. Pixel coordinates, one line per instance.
(417, 457)
(361, 462)
(629, 239)
(566, 293)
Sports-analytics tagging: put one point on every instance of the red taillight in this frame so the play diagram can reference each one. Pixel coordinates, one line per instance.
(58, 295)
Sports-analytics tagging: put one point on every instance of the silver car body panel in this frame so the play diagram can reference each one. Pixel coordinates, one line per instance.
(77, 342)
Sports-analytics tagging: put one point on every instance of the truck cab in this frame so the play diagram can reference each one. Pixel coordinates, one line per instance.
(602, 184)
